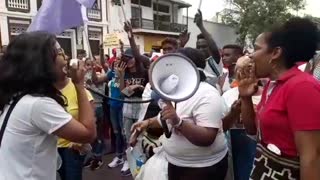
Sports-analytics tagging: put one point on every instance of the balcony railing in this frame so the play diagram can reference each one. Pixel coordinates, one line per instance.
(18, 5)
(94, 14)
(157, 25)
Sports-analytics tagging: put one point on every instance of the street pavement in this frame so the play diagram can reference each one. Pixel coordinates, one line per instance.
(105, 173)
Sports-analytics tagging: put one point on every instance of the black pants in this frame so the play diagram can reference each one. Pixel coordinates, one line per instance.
(215, 172)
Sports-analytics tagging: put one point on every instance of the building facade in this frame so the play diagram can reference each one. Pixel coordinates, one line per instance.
(152, 21)
(16, 16)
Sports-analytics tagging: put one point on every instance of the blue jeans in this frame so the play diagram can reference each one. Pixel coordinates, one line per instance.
(98, 146)
(117, 125)
(72, 163)
(243, 152)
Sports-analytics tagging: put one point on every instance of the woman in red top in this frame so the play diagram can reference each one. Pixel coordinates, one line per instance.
(288, 116)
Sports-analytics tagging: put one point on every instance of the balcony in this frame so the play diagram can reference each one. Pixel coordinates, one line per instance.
(18, 5)
(138, 23)
(95, 13)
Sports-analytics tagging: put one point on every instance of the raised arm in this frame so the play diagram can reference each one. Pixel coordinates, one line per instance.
(135, 50)
(213, 48)
(184, 37)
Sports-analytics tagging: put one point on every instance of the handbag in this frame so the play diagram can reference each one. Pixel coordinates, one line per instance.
(268, 165)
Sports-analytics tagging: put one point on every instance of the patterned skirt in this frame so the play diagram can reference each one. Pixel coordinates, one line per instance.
(269, 166)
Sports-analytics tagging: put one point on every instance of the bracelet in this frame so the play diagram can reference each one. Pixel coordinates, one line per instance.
(179, 123)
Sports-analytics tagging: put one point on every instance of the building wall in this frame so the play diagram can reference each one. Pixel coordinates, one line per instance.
(147, 12)
(221, 33)
(74, 35)
(152, 40)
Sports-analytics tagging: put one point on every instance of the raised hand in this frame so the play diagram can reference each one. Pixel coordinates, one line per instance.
(78, 72)
(128, 27)
(121, 43)
(184, 37)
(248, 83)
(120, 69)
(198, 19)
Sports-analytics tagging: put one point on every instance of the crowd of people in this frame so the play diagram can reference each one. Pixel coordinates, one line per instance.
(254, 115)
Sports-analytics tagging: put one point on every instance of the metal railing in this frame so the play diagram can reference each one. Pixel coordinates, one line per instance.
(94, 14)
(18, 5)
(157, 25)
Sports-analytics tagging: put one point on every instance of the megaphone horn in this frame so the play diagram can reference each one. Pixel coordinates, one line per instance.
(173, 77)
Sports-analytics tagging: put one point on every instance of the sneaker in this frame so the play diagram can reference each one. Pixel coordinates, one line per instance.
(126, 173)
(115, 162)
(88, 163)
(96, 164)
(125, 167)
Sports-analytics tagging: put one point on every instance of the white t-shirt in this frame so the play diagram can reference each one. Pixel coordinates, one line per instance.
(29, 149)
(232, 95)
(205, 109)
(146, 95)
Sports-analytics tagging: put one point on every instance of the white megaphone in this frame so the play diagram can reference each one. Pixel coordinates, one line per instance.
(173, 77)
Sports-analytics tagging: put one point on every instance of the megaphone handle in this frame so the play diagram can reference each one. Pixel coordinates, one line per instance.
(163, 121)
(165, 127)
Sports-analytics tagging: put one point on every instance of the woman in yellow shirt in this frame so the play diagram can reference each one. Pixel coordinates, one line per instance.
(72, 154)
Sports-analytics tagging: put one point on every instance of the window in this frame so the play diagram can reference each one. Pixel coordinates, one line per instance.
(146, 3)
(39, 3)
(97, 5)
(161, 7)
(135, 12)
(17, 26)
(117, 2)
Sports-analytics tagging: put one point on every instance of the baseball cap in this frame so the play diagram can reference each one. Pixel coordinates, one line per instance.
(128, 53)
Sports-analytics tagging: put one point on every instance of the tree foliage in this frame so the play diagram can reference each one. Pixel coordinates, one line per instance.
(251, 17)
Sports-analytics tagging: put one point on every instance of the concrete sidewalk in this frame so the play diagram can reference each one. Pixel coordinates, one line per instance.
(105, 173)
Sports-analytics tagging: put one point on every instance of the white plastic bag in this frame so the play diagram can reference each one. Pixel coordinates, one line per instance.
(156, 167)
(135, 159)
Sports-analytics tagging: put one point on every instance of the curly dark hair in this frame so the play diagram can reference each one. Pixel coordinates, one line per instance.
(28, 67)
(298, 39)
(237, 49)
(169, 40)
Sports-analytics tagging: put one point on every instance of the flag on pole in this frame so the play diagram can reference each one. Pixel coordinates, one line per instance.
(55, 16)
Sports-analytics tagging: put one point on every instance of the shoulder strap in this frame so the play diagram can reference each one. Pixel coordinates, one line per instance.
(6, 118)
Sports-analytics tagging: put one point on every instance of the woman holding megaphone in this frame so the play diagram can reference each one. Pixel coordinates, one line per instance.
(197, 148)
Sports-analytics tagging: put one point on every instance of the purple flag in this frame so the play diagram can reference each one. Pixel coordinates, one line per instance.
(55, 16)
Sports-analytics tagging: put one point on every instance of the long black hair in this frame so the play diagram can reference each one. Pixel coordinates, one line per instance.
(28, 67)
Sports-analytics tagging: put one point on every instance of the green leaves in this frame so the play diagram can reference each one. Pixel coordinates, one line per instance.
(252, 17)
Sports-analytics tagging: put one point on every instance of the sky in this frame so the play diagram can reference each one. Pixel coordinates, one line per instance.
(209, 8)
